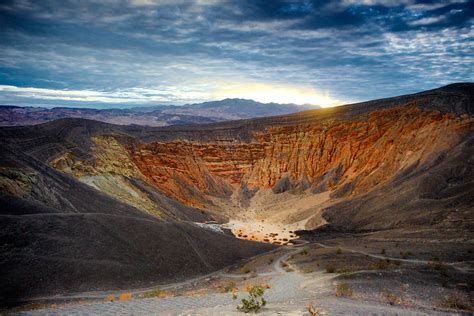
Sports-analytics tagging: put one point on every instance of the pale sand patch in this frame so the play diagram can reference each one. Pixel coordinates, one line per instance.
(274, 218)
(263, 232)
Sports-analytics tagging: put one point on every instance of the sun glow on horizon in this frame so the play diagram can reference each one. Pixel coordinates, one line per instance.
(267, 93)
(180, 95)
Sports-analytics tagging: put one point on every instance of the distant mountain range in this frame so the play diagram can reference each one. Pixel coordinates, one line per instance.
(161, 115)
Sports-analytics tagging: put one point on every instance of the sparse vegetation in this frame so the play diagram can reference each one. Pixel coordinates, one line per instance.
(382, 252)
(125, 296)
(339, 251)
(110, 298)
(311, 310)
(330, 268)
(345, 270)
(229, 287)
(457, 301)
(343, 290)
(440, 267)
(405, 255)
(154, 293)
(255, 301)
(379, 265)
(391, 298)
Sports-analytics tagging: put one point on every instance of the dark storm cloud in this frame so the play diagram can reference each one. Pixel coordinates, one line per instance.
(149, 51)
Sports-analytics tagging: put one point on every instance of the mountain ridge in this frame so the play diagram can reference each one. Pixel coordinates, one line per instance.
(161, 115)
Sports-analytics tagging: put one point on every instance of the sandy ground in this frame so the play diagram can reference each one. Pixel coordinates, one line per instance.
(274, 218)
(264, 232)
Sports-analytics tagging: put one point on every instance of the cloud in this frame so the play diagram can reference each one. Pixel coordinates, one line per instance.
(160, 95)
(143, 51)
(427, 21)
(169, 95)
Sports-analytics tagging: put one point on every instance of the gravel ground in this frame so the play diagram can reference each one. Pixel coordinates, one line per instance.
(290, 294)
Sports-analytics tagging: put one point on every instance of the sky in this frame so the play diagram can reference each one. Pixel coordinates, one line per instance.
(125, 53)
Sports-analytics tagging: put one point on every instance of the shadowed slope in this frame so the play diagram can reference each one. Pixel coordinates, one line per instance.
(61, 236)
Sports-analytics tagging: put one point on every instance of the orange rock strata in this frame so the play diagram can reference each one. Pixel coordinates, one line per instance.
(348, 156)
(369, 150)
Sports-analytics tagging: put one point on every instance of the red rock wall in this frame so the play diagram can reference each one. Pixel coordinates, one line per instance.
(375, 146)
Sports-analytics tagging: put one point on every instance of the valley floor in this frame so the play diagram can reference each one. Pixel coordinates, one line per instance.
(338, 275)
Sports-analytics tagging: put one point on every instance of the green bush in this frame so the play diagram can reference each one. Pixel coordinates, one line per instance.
(254, 302)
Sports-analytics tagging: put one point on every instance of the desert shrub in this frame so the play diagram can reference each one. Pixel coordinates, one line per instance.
(345, 270)
(255, 301)
(457, 301)
(390, 298)
(382, 252)
(229, 287)
(405, 255)
(339, 251)
(343, 290)
(154, 293)
(440, 267)
(163, 294)
(304, 252)
(330, 268)
(379, 265)
(125, 296)
(110, 298)
(311, 310)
